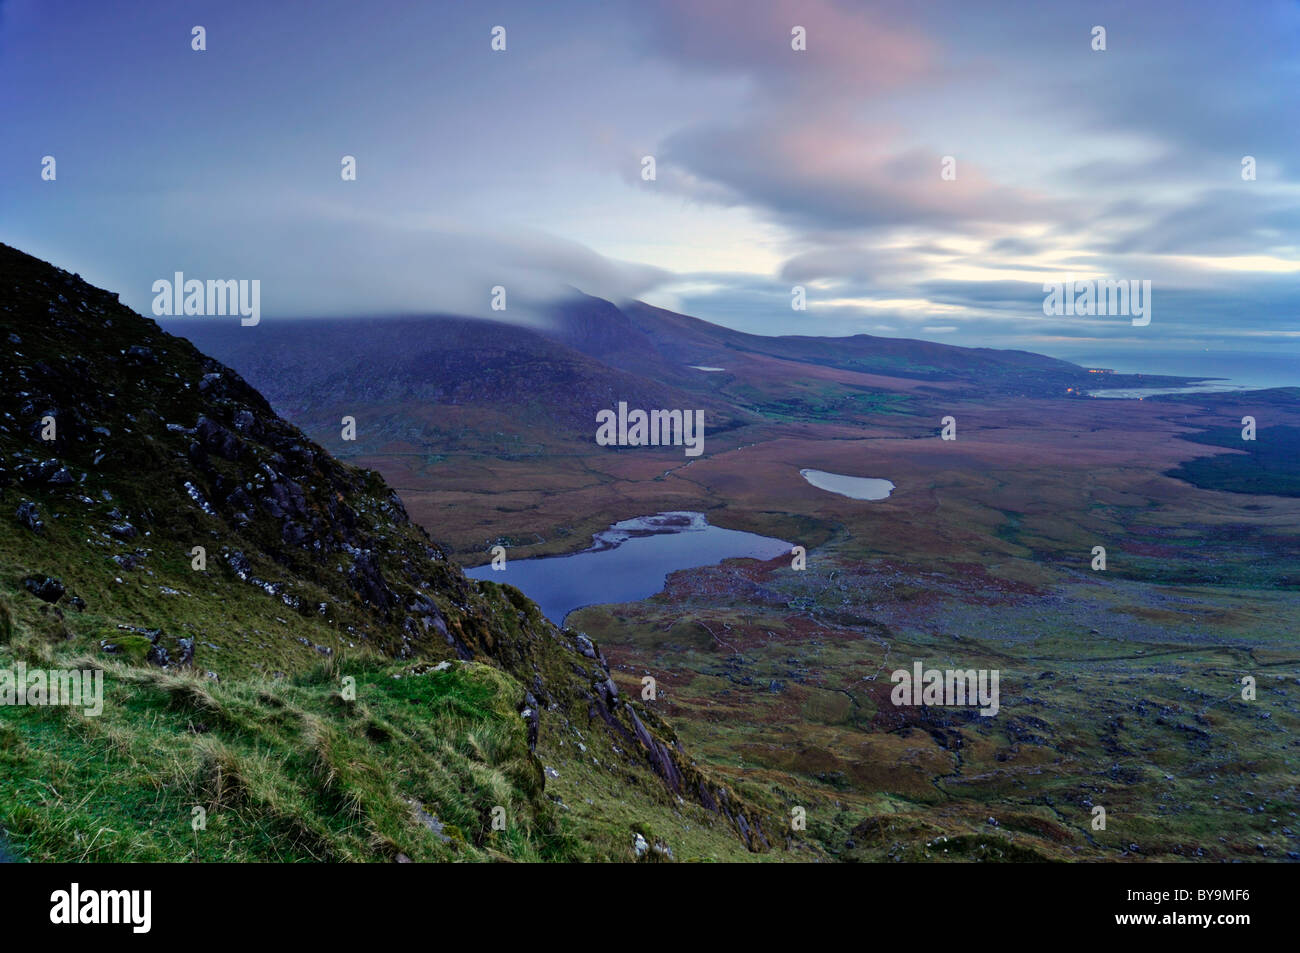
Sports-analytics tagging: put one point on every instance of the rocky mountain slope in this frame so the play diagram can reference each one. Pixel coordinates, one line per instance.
(645, 339)
(402, 377)
(282, 646)
(586, 355)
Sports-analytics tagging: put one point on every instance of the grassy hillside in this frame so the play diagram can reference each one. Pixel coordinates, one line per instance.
(324, 683)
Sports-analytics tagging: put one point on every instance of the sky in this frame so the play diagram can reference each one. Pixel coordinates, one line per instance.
(774, 167)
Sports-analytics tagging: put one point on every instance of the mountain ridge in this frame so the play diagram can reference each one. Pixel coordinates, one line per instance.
(154, 449)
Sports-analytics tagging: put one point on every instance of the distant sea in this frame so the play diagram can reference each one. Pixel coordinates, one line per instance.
(1244, 369)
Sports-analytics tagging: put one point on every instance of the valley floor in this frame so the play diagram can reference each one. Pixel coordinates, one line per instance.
(1121, 688)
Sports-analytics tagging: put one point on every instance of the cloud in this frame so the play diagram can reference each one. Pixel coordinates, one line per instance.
(324, 259)
(850, 49)
(819, 168)
(1238, 221)
(832, 173)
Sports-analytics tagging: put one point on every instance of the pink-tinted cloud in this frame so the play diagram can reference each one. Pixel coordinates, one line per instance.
(850, 48)
(831, 172)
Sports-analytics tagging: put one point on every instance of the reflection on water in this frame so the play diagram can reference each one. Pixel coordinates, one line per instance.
(629, 561)
(1206, 387)
(854, 487)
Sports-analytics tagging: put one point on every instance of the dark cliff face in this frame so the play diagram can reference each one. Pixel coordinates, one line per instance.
(155, 449)
(154, 441)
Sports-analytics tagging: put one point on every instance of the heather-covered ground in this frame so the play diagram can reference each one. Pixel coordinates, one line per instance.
(1121, 688)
